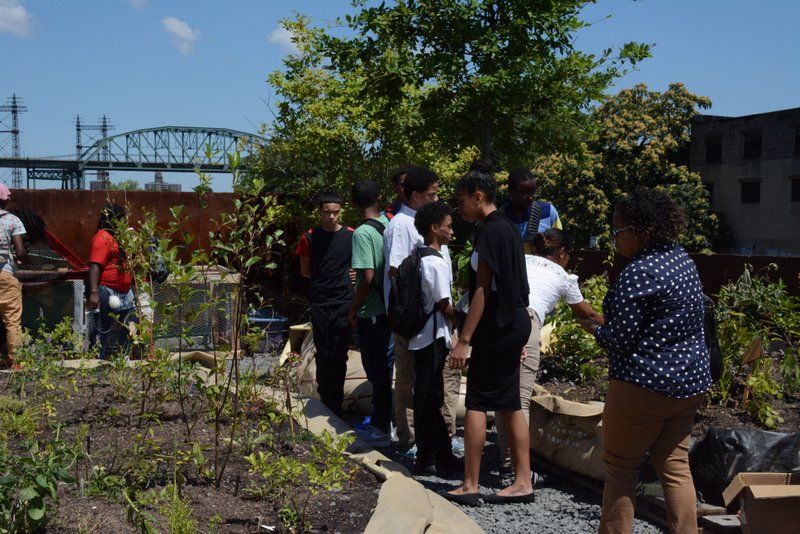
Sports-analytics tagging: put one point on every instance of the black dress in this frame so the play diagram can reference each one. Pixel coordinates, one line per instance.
(493, 373)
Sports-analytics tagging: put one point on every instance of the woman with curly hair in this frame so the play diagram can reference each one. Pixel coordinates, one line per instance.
(497, 327)
(659, 363)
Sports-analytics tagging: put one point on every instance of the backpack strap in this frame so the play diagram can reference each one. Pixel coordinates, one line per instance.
(376, 224)
(428, 251)
(533, 220)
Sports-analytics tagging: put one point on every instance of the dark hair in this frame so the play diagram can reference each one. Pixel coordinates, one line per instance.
(419, 179)
(519, 176)
(365, 193)
(430, 214)
(654, 215)
(110, 216)
(550, 241)
(479, 178)
(401, 171)
(328, 197)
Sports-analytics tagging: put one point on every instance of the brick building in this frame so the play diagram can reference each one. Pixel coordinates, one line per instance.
(751, 166)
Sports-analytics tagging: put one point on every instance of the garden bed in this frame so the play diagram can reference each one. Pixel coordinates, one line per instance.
(126, 469)
(710, 414)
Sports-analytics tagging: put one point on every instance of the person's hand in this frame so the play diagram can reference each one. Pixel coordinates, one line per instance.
(458, 358)
(352, 318)
(94, 299)
(353, 276)
(523, 355)
(588, 325)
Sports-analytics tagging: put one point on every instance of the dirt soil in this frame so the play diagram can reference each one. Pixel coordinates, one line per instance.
(115, 433)
(731, 416)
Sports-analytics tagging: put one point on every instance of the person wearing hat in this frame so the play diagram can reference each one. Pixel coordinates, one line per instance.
(12, 249)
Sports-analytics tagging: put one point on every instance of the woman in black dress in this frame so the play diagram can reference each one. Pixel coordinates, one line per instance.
(497, 327)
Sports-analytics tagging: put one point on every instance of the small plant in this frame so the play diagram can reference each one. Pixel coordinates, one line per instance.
(29, 483)
(575, 350)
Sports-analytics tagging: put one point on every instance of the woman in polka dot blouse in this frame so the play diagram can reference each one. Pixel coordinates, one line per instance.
(659, 363)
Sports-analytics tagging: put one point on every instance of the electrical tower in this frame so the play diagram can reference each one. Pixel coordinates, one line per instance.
(104, 127)
(15, 107)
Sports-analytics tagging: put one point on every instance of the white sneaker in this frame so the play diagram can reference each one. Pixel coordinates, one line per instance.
(375, 436)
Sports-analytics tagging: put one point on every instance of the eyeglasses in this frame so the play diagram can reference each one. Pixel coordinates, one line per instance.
(616, 231)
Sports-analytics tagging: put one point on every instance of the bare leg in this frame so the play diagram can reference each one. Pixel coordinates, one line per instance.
(519, 441)
(474, 441)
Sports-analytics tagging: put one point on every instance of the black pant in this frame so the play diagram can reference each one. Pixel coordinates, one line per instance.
(332, 336)
(377, 356)
(430, 430)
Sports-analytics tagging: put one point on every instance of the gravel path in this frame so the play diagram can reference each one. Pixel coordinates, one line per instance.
(559, 508)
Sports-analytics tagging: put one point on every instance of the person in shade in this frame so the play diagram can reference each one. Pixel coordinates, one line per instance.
(548, 283)
(12, 250)
(529, 216)
(398, 177)
(497, 327)
(110, 284)
(324, 253)
(659, 362)
(368, 313)
(431, 346)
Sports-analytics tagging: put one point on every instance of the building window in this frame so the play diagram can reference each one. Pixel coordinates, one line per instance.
(714, 149)
(710, 188)
(752, 145)
(795, 189)
(751, 192)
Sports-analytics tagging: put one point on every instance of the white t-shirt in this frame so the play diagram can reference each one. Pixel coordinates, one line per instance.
(437, 283)
(10, 226)
(399, 239)
(549, 282)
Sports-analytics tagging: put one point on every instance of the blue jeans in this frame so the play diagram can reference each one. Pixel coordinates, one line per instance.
(377, 357)
(112, 325)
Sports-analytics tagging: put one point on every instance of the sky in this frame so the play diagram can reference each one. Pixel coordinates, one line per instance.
(148, 63)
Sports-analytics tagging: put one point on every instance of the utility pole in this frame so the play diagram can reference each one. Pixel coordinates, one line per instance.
(15, 107)
(104, 127)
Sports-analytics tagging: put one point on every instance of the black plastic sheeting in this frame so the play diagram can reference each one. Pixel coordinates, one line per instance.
(723, 453)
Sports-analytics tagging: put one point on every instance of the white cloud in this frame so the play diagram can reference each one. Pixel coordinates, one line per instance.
(283, 38)
(14, 18)
(137, 4)
(182, 34)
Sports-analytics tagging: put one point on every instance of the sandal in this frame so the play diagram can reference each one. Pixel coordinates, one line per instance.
(509, 499)
(464, 499)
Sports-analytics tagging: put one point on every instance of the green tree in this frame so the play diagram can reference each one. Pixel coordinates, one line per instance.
(637, 141)
(435, 82)
(125, 185)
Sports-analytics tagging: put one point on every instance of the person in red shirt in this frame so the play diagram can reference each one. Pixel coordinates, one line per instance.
(110, 293)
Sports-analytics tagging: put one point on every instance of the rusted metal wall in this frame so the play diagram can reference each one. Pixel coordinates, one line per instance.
(715, 269)
(72, 215)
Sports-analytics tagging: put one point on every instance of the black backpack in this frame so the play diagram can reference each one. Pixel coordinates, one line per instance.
(712, 340)
(405, 311)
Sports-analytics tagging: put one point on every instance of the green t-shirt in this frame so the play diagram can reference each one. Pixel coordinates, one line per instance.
(368, 254)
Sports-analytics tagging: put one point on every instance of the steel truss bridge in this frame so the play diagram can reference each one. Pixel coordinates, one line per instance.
(166, 149)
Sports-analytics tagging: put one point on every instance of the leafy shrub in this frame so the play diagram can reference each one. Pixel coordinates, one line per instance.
(754, 308)
(575, 350)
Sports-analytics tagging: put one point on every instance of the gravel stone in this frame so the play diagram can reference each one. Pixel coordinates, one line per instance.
(559, 507)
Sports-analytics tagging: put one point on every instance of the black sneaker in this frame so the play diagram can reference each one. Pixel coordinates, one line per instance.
(425, 469)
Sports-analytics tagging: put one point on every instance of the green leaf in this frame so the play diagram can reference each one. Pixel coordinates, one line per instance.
(36, 513)
(28, 493)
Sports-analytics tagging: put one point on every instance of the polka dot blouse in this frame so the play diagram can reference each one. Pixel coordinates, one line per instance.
(654, 324)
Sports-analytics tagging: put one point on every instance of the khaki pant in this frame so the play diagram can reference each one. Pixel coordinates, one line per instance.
(637, 421)
(527, 378)
(404, 393)
(11, 310)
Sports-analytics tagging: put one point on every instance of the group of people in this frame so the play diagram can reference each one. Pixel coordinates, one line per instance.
(651, 326)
